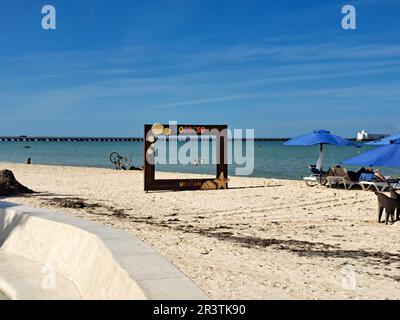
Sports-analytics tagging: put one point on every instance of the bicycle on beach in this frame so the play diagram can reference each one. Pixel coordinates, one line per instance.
(120, 162)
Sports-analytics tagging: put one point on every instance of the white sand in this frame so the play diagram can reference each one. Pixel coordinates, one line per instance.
(261, 239)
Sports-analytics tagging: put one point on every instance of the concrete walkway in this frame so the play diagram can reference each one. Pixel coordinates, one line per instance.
(22, 279)
(85, 260)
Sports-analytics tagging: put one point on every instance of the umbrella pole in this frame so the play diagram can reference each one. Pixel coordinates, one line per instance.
(321, 157)
(318, 164)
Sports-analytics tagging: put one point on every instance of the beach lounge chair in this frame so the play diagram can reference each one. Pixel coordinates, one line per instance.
(310, 181)
(317, 176)
(368, 181)
(389, 205)
(340, 177)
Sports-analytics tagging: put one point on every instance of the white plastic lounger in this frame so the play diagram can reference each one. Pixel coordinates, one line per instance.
(317, 177)
(341, 177)
(335, 181)
(310, 181)
(379, 186)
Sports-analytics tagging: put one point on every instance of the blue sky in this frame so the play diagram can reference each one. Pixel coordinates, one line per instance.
(280, 67)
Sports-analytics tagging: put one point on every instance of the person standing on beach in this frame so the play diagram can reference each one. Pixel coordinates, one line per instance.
(118, 164)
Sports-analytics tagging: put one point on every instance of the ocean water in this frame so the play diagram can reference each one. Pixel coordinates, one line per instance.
(271, 159)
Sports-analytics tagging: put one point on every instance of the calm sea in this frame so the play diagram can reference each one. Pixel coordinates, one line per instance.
(271, 159)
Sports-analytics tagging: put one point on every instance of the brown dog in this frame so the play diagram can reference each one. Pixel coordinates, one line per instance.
(395, 195)
(390, 206)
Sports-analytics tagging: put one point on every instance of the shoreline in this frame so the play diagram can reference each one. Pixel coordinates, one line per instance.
(184, 174)
(260, 239)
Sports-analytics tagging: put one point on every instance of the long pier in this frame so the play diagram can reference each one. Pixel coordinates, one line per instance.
(69, 139)
(104, 139)
(95, 139)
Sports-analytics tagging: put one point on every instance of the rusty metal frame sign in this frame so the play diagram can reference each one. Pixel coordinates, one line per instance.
(156, 131)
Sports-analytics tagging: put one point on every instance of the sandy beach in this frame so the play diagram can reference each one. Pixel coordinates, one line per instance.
(261, 239)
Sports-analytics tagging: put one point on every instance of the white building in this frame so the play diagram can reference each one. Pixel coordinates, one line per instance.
(364, 135)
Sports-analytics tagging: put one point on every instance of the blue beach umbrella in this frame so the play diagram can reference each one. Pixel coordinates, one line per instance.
(385, 156)
(320, 137)
(384, 141)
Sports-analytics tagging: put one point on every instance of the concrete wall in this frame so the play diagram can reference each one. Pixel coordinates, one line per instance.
(102, 262)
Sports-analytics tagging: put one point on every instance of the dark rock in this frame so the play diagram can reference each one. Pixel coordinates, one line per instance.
(9, 186)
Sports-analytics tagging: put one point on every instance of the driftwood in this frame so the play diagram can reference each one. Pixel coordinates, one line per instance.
(9, 186)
